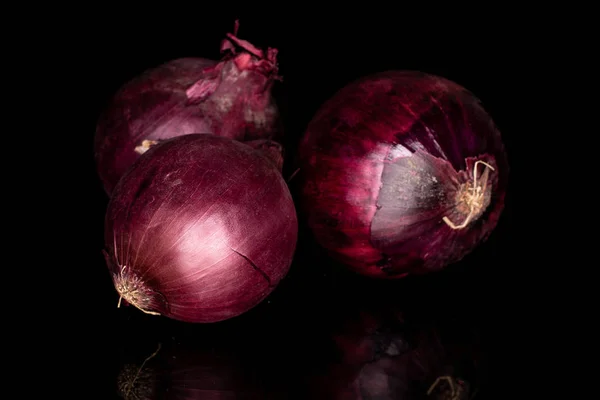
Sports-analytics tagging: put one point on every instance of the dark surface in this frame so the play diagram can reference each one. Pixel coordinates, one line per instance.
(286, 339)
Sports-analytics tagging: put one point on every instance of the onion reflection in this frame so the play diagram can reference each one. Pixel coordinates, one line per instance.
(187, 370)
(391, 354)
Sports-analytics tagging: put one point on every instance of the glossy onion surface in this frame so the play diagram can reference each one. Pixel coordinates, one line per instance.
(402, 173)
(200, 229)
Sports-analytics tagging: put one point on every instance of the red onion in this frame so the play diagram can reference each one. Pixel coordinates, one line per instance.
(200, 229)
(230, 98)
(403, 173)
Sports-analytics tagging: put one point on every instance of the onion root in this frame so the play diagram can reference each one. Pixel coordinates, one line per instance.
(455, 390)
(130, 385)
(473, 200)
(132, 289)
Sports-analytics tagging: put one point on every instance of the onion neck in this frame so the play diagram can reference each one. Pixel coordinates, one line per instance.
(473, 197)
(134, 291)
(246, 55)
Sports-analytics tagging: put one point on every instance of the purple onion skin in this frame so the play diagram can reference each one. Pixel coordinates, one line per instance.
(230, 98)
(386, 159)
(200, 229)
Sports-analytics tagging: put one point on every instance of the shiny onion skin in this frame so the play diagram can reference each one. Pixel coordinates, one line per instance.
(230, 98)
(402, 173)
(201, 229)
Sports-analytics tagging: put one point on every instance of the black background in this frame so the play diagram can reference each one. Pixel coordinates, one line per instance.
(318, 55)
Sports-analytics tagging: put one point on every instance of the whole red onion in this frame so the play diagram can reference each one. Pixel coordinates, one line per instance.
(403, 173)
(230, 98)
(200, 229)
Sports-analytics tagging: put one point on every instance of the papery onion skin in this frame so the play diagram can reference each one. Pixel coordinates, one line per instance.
(386, 159)
(200, 229)
(230, 98)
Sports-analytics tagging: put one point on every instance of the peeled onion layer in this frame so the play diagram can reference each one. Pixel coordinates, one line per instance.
(403, 173)
(229, 98)
(200, 229)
